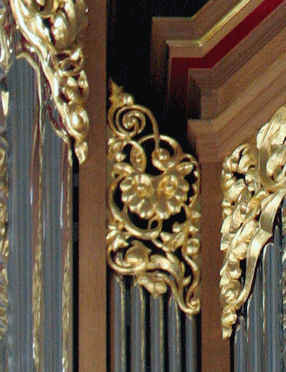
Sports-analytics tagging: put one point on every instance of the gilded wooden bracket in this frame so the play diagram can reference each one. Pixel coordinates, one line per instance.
(50, 32)
(153, 203)
(45, 33)
(253, 182)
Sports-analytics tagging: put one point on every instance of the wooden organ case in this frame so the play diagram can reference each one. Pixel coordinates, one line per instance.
(223, 73)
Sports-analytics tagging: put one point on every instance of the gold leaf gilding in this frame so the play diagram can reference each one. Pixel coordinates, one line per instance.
(149, 190)
(254, 185)
(51, 29)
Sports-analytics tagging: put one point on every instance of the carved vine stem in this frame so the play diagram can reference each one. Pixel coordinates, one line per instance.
(154, 212)
(51, 30)
(254, 185)
(5, 62)
(48, 37)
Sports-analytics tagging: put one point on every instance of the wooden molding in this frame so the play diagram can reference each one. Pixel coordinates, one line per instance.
(251, 31)
(242, 66)
(92, 202)
(233, 95)
(216, 138)
(198, 47)
(194, 36)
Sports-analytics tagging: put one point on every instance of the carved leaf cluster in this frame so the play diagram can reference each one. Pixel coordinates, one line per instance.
(50, 34)
(154, 214)
(253, 182)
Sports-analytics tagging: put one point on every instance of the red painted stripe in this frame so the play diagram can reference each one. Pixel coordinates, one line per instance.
(180, 66)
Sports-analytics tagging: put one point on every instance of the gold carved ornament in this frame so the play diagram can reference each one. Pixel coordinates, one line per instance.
(154, 212)
(254, 185)
(49, 40)
(51, 30)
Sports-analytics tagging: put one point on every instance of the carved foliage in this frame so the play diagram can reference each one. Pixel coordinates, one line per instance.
(254, 184)
(51, 30)
(154, 215)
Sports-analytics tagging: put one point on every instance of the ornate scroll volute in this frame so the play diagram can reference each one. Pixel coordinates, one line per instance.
(153, 203)
(254, 185)
(50, 30)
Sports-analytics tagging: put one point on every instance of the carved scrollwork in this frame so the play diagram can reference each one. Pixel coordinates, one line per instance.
(254, 185)
(153, 202)
(45, 33)
(51, 29)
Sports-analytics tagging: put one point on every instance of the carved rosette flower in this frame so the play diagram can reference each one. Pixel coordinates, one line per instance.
(172, 192)
(158, 197)
(139, 194)
(254, 185)
(149, 187)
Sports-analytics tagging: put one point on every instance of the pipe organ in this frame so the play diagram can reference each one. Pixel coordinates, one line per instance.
(181, 257)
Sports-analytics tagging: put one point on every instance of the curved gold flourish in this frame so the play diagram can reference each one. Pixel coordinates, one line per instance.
(5, 62)
(154, 221)
(254, 185)
(51, 29)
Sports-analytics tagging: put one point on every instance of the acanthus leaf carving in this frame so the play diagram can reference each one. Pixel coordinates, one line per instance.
(51, 29)
(253, 182)
(154, 211)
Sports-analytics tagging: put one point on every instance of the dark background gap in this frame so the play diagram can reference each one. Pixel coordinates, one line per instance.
(128, 53)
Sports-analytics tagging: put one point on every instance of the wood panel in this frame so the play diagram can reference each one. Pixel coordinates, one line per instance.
(92, 202)
(215, 351)
(213, 140)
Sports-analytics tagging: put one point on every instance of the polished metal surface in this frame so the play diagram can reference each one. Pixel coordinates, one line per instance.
(253, 183)
(191, 344)
(40, 236)
(138, 347)
(174, 337)
(20, 135)
(50, 35)
(255, 324)
(157, 334)
(118, 324)
(148, 333)
(258, 341)
(273, 329)
(240, 346)
(154, 214)
(56, 234)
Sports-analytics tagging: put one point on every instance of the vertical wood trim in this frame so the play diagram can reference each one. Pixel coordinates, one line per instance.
(215, 352)
(92, 201)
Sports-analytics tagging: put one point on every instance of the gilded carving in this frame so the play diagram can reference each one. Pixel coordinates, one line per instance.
(153, 203)
(51, 30)
(253, 182)
(45, 33)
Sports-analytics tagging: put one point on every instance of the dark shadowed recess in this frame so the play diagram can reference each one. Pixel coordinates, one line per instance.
(128, 43)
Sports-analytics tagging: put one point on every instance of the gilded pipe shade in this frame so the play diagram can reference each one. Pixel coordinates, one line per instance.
(153, 203)
(40, 54)
(253, 183)
(50, 31)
